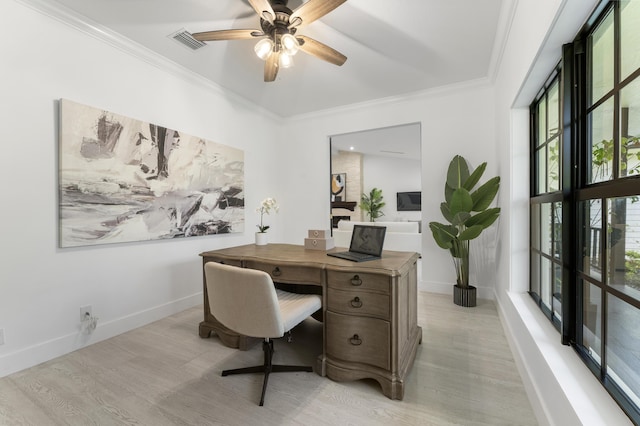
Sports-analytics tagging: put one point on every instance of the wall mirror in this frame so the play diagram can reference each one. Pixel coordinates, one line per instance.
(386, 158)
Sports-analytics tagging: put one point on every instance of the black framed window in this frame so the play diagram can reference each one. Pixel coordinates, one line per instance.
(585, 216)
(546, 201)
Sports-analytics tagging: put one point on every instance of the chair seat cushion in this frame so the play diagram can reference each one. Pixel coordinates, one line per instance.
(295, 307)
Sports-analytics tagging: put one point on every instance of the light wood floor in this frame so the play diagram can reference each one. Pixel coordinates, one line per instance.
(164, 374)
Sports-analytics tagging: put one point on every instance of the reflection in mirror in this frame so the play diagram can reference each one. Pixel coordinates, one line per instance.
(388, 159)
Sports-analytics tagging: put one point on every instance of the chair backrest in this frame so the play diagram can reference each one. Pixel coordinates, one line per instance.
(244, 300)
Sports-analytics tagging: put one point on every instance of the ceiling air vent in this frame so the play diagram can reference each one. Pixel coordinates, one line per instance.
(185, 38)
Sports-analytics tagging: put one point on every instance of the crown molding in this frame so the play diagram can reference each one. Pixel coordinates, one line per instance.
(93, 29)
(505, 23)
(430, 93)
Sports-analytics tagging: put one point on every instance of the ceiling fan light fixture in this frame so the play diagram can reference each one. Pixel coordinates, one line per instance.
(263, 48)
(294, 22)
(276, 40)
(285, 60)
(289, 44)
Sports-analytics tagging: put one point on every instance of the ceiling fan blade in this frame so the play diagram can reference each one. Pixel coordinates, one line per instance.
(312, 10)
(320, 50)
(263, 9)
(271, 67)
(227, 35)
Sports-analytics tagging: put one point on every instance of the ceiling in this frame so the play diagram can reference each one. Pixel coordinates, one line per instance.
(393, 47)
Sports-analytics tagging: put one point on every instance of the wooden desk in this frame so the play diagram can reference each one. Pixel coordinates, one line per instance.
(369, 308)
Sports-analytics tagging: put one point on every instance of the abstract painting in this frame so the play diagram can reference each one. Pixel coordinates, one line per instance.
(123, 180)
(339, 187)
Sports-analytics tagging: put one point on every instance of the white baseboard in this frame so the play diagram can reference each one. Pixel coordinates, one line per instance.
(447, 288)
(48, 350)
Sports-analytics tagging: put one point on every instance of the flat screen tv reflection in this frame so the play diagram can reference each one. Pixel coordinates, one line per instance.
(409, 201)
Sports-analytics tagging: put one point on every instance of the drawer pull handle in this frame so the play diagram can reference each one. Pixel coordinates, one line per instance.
(276, 272)
(356, 302)
(356, 280)
(355, 340)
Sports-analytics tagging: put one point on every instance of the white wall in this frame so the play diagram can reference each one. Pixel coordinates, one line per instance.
(454, 120)
(42, 286)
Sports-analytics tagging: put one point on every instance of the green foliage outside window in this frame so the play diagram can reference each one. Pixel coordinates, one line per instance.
(632, 268)
(602, 156)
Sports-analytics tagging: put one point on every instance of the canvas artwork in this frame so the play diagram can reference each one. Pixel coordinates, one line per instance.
(123, 180)
(339, 187)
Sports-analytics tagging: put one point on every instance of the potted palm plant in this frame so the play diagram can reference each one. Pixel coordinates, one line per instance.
(468, 214)
(372, 204)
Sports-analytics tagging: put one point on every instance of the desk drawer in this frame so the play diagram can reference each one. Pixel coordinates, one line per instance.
(288, 273)
(232, 262)
(355, 302)
(361, 281)
(359, 339)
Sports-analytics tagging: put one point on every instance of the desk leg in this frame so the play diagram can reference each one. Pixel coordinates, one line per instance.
(205, 329)
(321, 366)
(211, 324)
(227, 337)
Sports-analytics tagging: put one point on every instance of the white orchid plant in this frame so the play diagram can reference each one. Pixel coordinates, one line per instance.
(266, 206)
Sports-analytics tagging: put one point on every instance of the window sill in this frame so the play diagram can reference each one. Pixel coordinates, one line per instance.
(557, 381)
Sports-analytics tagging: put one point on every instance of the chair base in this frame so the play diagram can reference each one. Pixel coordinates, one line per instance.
(267, 368)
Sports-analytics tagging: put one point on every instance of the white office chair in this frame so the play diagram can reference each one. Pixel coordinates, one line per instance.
(247, 302)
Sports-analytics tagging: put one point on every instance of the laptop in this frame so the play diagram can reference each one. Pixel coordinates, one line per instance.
(366, 244)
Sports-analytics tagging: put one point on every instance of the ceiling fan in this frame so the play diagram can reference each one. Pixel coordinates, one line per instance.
(278, 40)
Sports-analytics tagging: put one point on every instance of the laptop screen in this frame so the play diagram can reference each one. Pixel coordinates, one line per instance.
(368, 239)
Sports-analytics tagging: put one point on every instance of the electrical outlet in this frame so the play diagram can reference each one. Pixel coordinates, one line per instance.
(84, 310)
(1, 336)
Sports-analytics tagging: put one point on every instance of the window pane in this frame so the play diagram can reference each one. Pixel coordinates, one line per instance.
(623, 346)
(535, 226)
(557, 291)
(542, 171)
(592, 321)
(554, 110)
(534, 285)
(623, 245)
(632, 154)
(542, 121)
(545, 281)
(545, 228)
(630, 128)
(591, 211)
(557, 230)
(601, 42)
(629, 37)
(553, 162)
(601, 143)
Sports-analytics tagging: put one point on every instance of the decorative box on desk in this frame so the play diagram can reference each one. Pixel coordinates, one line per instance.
(319, 243)
(319, 239)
